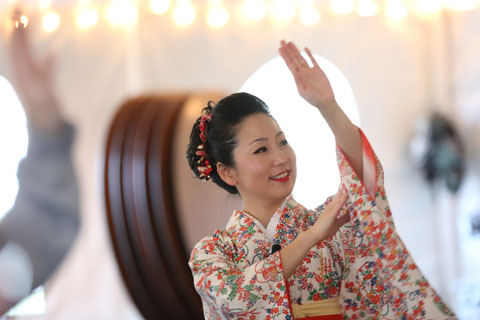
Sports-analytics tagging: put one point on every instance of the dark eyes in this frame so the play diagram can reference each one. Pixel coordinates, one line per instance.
(260, 150)
(263, 149)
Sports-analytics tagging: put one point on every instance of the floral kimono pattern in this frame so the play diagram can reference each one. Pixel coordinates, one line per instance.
(365, 265)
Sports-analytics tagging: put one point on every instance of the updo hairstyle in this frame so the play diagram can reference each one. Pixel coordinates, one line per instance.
(221, 136)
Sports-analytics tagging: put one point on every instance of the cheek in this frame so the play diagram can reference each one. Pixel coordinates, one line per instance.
(250, 168)
(292, 157)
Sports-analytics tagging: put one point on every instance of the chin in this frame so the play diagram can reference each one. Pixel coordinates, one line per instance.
(285, 193)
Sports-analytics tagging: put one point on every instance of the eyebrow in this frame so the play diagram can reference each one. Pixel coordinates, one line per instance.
(265, 139)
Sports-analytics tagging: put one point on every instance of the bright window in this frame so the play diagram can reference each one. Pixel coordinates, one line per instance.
(13, 143)
(306, 131)
(34, 304)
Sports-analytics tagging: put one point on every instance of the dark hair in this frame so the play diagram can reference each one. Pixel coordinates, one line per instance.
(227, 114)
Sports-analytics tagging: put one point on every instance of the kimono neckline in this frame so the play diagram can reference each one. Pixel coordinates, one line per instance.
(270, 231)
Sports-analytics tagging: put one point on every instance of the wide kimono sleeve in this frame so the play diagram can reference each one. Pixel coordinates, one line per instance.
(36, 234)
(228, 291)
(379, 277)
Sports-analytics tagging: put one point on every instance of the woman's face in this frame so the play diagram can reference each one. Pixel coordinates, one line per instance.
(265, 164)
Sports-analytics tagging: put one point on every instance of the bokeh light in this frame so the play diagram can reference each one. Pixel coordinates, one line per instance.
(283, 9)
(86, 18)
(309, 16)
(254, 9)
(50, 22)
(184, 13)
(367, 8)
(341, 7)
(159, 6)
(395, 10)
(217, 15)
(122, 13)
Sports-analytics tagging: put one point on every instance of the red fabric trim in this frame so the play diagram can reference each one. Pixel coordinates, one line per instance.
(328, 317)
(367, 148)
(286, 285)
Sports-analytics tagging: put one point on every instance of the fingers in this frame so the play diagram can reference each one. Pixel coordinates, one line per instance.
(343, 219)
(287, 57)
(19, 46)
(18, 38)
(315, 64)
(339, 223)
(296, 55)
(339, 199)
(333, 208)
(340, 218)
(292, 56)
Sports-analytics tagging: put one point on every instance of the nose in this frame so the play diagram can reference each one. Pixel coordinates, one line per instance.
(279, 157)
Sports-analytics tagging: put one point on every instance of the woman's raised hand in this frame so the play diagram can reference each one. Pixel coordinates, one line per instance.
(329, 222)
(33, 82)
(312, 83)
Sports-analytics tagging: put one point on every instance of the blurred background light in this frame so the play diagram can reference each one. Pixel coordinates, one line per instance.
(341, 7)
(309, 16)
(283, 9)
(86, 17)
(461, 5)
(50, 22)
(122, 13)
(217, 15)
(184, 13)
(160, 6)
(395, 10)
(254, 9)
(367, 8)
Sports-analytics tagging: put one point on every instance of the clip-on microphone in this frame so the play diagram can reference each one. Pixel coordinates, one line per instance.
(276, 247)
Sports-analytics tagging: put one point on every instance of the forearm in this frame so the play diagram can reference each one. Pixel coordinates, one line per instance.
(44, 219)
(346, 134)
(294, 253)
(325, 227)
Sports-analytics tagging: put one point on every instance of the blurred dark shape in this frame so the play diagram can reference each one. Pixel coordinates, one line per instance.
(141, 210)
(476, 224)
(444, 157)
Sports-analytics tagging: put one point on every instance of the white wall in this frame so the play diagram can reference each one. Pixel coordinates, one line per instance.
(395, 71)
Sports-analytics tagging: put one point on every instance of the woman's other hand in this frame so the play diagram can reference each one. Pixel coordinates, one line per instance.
(330, 221)
(33, 81)
(326, 226)
(312, 83)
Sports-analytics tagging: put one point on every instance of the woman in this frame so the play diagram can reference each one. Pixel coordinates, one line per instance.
(276, 259)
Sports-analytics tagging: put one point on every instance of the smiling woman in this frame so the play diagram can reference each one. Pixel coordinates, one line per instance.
(276, 259)
(317, 176)
(244, 143)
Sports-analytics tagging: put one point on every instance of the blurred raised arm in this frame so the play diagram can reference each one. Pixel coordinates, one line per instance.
(36, 234)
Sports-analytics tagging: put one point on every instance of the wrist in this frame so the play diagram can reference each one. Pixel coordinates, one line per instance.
(327, 105)
(311, 237)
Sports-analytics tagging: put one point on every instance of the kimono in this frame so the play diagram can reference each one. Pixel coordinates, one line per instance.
(363, 272)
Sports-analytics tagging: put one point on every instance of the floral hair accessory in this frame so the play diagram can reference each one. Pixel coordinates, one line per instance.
(204, 168)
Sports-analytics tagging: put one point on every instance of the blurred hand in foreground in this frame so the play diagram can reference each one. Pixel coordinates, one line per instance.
(32, 81)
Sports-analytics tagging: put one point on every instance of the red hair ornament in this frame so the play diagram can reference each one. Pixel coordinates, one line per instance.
(204, 168)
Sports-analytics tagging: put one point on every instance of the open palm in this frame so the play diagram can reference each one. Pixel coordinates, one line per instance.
(312, 83)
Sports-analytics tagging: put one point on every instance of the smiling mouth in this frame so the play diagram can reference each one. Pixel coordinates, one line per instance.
(282, 177)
